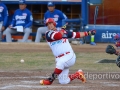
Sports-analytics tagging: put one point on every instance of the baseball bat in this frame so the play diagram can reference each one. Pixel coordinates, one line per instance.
(95, 15)
(95, 18)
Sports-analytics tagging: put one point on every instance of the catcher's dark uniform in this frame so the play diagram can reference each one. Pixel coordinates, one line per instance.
(111, 50)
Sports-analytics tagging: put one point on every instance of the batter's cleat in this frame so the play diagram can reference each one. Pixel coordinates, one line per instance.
(45, 82)
(81, 76)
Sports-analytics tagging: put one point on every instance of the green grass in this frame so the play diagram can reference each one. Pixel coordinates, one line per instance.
(88, 62)
(45, 61)
(11, 61)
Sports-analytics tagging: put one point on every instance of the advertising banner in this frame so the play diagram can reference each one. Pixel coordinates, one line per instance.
(104, 33)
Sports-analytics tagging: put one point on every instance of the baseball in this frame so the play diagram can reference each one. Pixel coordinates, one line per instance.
(22, 61)
(41, 82)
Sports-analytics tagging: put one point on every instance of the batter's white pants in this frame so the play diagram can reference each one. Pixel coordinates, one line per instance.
(10, 31)
(64, 63)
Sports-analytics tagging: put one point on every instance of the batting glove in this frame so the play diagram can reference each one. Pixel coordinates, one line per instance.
(65, 26)
(91, 32)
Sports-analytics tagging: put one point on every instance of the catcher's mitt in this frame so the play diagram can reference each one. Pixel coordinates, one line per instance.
(110, 49)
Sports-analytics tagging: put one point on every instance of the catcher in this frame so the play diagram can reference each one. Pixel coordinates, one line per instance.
(111, 50)
(63, 52)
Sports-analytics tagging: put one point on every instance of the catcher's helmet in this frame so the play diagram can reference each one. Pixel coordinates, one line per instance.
(117, 37)
(117, 43)
(117, 40)
(118, 61)
(50, 20)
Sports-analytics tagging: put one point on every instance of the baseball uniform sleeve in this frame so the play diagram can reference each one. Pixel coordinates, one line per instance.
(63, 16)
(30, 20)
(5, 13)
(44, 20)
(13, 20)
(52, 36)
(71, 34)
(78, 34)
(45, 17)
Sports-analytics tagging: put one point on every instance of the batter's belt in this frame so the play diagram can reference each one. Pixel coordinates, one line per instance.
(61, 55)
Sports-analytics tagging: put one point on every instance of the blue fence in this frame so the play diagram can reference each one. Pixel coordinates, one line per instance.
(104, 33)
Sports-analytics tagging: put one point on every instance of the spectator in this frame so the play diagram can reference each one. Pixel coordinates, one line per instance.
(3, 18)
(56, 14)
(22, 17)
(10, 16)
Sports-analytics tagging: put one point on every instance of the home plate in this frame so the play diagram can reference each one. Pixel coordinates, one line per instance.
(106, 61)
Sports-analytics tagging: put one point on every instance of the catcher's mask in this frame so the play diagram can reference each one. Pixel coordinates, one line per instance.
(118, 61)
(117, 37)
(117, 40)
(117, 43)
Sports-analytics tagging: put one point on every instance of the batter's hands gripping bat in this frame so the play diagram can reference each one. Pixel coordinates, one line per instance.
(91, 32)
(63, 29)
(65, 26)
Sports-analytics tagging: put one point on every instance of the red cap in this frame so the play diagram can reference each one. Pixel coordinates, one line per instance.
(50, 20)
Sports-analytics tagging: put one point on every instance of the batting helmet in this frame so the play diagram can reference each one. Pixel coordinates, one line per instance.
(117, 40)
(50, 20)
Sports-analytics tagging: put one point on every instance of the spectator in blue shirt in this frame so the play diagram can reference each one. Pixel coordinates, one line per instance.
(22, 17)
(56, 14)
(3, 18)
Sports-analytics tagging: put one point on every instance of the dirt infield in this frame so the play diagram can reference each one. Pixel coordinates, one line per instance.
(29, 80)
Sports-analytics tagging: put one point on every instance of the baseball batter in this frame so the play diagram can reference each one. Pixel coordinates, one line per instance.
(3, 18)
(63, 52)
(56, 14)
(22, 17)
